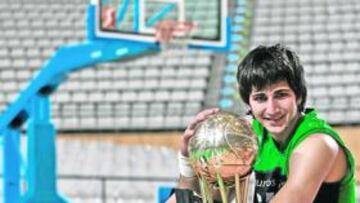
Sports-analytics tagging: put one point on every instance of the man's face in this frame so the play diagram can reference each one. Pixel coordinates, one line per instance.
(274, 106)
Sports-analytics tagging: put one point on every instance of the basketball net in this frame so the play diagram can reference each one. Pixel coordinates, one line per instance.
(173, 34)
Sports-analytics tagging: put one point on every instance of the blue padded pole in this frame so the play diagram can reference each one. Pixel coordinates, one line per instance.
(41, 173)
(11, 165)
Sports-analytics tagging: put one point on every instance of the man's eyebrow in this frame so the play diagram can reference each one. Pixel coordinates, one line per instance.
(255, 90)
(257, 93)
(283, 90)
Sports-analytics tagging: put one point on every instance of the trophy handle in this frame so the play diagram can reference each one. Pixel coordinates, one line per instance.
(245, 188)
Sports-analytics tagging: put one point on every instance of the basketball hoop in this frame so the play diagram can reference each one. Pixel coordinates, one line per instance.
(173, 34)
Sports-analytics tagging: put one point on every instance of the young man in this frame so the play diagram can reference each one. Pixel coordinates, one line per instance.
(300, 158)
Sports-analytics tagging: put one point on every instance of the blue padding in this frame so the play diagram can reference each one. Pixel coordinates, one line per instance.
(235, 47)
(226, 103)
(237, 28)
(229, 79)
(236, 38)
(240, 9)
(164, 193)
(228, 91)
(233, 57)
(239, 19)
(241, 2)
(231, 68)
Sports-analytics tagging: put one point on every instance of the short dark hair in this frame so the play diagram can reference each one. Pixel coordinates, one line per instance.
(267, 65)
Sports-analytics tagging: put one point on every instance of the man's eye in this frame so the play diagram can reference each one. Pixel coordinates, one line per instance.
(281, 95)
(260, 98)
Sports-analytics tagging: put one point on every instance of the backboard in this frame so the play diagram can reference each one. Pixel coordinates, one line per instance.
(135, 20)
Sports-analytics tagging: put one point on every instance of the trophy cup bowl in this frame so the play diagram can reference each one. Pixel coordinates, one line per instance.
(224, 146)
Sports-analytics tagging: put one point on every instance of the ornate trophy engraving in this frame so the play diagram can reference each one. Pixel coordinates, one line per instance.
(222, 152)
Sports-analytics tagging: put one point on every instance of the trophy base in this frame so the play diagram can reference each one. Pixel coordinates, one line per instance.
(188, 196)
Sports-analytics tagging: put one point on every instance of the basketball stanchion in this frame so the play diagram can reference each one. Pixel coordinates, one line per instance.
(173, 34)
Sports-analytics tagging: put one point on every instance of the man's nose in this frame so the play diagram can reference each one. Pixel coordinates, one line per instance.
(272, 106)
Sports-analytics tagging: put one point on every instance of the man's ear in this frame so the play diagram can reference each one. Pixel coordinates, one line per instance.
(248, 110)
(298, 102)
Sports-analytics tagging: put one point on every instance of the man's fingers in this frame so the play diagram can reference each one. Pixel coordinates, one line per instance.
(191, 128)
(201, 117)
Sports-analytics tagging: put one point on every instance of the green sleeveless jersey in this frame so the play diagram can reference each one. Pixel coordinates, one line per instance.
(271, 167)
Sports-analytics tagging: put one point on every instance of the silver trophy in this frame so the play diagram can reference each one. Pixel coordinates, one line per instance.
(222, 153)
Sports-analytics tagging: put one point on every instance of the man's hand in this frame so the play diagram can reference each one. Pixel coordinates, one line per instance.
(191, 128)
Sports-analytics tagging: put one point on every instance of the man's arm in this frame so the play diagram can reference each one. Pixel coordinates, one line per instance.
(190, 181)
(185, 183)
(310, 164)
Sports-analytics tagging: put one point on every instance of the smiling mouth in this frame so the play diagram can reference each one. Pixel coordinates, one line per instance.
(274, 119)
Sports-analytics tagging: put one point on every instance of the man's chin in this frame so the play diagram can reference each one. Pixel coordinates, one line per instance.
(275, 129)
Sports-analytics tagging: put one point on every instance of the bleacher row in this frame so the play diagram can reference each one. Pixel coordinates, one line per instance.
(324, 33)
(106, 159)
(142, 94)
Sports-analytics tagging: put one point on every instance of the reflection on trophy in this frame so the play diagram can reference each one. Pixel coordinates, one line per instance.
(222, 152)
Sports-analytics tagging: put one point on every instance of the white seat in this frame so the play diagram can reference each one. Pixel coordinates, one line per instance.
(104, 110)
(80, 188)
(336, 90)
(196, 95)
(146, 96)
(97, 96)
(162, 95)
(8, 74)
(86, 110)
(179, 95)
(4, 63)
(173, 121)
(175, 108)
(69, 110)
(88, 73)
(88, 123)
(80, 97)
(103, 73)
(129, 96)
(199, 83)
(70, 123)
(155, 122)
(336, 117)
(168, 72)
(112, 96)
(135, 84)
(152, 72)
